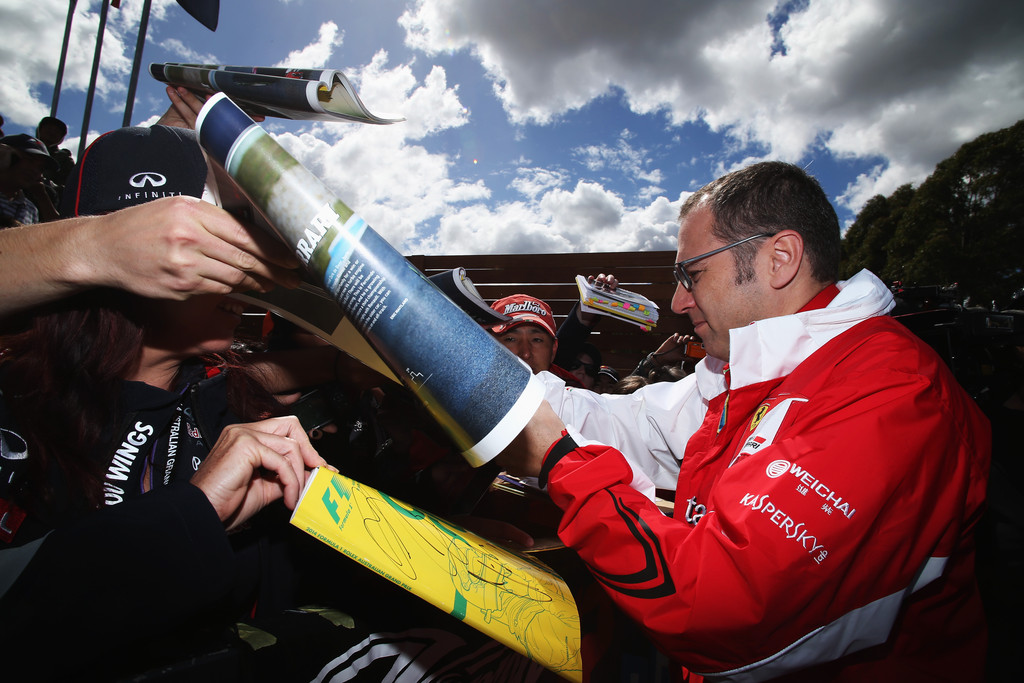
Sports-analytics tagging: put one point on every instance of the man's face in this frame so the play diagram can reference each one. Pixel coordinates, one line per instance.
(580, 371)
(29, 170)
(532, 343)
(717, 303)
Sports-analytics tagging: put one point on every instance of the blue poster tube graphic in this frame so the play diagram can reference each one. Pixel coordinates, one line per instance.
(479, 392)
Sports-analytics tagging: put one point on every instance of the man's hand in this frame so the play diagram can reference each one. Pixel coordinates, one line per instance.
(525, 455)
(185, 108)
(673, 350)
(255, 464)
(175, 247)
(170, 248)
(607, 282)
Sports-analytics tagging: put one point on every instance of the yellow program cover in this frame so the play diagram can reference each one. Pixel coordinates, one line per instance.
(509, 596)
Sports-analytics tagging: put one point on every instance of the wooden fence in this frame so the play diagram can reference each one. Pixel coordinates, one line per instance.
(552, 277)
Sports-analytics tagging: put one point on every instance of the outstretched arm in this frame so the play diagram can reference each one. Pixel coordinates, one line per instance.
(170, 248)
(184, 109)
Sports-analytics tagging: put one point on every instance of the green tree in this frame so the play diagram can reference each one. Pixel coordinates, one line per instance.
(867, 242)
(962, 225)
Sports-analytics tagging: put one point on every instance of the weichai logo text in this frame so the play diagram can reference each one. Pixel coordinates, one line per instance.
(807, 483)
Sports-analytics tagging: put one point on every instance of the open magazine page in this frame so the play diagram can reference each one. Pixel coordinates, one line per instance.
(479, 392)
(306, 94)
(458, 287)
(316, 312)
(510, 596)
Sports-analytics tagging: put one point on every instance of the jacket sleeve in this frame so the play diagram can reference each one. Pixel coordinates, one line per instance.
(571, 335)
(649, 427)
(122, 573)
(800, 552)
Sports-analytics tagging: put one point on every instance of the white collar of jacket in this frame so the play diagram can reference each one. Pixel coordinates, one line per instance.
(773, 347)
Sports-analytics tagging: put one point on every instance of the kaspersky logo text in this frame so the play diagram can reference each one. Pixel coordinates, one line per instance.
(792, 529)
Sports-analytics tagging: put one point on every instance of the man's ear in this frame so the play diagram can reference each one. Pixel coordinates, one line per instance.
(786, 256)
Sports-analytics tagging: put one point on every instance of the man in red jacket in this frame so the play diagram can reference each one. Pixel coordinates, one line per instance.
(829, 471)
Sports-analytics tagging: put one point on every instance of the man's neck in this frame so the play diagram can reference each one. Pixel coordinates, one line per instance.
(822, 299)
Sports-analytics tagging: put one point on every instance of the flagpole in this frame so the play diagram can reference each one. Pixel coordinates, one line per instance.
(92, 79)
(140, 43)
(63, 58)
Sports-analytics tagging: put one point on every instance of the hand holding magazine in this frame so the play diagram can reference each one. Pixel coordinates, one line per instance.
(618, 303)
(307, 94)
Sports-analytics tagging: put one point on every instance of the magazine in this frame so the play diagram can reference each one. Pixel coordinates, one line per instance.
(618, 303)
(457, 286)
(310, 94)
(479, 392)
(512, 597)
(316, 311)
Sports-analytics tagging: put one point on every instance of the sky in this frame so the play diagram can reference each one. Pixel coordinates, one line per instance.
(554, 126)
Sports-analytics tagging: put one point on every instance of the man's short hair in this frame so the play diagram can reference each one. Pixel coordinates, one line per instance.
(52, 122)
(772, 196)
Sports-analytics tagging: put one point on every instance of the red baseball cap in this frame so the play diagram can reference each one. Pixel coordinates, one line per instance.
(524, 309)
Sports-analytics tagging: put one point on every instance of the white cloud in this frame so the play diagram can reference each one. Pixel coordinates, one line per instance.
(904, 81)
(185, 54)
(621, 157)
(389, 178)
(31, 49)
(555, 220)
(533, 182)
(895, 84)
(317, 53)
(30, 53)
(379, 171)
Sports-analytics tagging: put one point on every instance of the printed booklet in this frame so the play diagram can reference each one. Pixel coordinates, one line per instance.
(316, 311)
(618, 303)
(512, 597)
(313, 94)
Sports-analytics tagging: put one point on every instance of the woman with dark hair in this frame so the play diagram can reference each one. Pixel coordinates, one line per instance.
(68, 379)
(135, 450)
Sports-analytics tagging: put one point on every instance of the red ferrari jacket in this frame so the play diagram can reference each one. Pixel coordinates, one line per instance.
(822, 525)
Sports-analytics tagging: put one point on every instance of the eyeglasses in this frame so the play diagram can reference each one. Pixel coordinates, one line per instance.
(683, 278)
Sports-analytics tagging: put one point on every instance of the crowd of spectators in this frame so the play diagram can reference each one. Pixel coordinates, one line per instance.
(33, 172)
(566, 352)
(148, 466)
